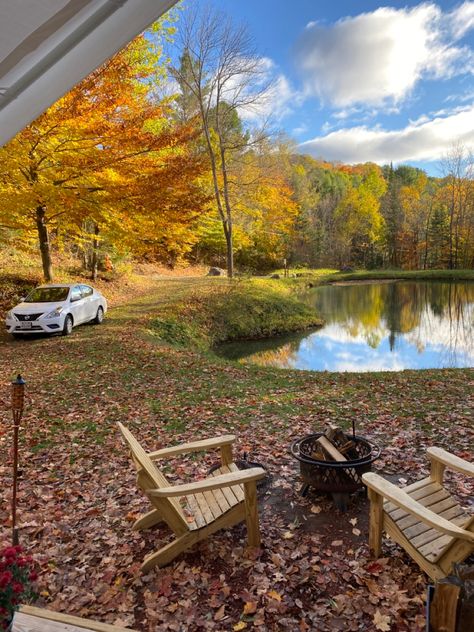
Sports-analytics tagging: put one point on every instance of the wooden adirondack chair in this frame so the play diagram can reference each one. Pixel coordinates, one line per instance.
(423, 518)
(224, 499)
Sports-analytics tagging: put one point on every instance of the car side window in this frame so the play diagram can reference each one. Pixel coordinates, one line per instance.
(76, 293)
(86, 291)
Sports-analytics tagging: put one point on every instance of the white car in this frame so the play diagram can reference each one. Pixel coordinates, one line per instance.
(56, 308)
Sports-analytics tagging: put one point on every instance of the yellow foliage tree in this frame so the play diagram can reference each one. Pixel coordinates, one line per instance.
(105, 157)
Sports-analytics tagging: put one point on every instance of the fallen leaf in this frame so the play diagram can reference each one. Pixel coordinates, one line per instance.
(250, 607)
(274, 595)
(241, 625)
(381, 621)
(220, 613)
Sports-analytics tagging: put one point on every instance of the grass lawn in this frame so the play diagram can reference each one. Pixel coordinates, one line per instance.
(78, 496)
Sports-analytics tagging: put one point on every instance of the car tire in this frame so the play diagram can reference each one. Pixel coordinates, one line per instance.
(68, 325)
(99, 317)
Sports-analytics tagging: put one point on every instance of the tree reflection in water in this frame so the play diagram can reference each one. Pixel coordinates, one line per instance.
(378, 326)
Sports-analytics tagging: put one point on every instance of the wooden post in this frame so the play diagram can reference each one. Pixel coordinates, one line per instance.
(18, 398)
(444, 608)
(251, 513)
(376, 523)
(437, 471)
(226, 454)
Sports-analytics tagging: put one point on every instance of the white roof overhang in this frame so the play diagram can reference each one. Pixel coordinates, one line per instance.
(48, 46)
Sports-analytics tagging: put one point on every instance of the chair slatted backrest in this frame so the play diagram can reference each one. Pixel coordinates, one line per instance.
(146, 465)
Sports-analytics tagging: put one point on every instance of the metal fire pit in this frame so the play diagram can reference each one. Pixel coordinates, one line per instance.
(334, 477)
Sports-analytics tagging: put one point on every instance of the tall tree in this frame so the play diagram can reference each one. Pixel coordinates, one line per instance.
(220, 68)
(458, 169)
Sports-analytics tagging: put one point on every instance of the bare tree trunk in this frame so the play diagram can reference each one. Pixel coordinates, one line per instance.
(229, 250)
(44, 245)
(427, 229)
(95, 253)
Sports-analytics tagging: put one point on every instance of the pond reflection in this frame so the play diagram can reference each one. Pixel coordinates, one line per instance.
(382, 326)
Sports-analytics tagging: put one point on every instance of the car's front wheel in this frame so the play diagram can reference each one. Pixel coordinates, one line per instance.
(99, 317)
(68, 325)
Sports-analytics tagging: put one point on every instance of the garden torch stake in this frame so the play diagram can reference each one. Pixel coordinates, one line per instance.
(18, 399)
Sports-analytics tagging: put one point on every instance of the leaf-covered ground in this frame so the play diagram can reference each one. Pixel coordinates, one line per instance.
(78, 497)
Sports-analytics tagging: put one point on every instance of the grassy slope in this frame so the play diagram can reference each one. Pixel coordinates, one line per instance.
(80, 386)
(214, 310)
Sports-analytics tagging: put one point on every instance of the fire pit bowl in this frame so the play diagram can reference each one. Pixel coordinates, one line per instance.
(334, 477)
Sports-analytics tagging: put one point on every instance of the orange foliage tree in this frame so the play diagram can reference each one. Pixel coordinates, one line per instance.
(105, 162)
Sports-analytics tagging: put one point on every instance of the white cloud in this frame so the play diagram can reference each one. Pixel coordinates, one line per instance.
(301, 129)
(269, 94)
(424, 140)
(276, 103)
(377, 58)
(462, 19)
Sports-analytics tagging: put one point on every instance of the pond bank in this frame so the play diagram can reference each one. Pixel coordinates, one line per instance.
(215, 311)
(324, 276)
(223, 311)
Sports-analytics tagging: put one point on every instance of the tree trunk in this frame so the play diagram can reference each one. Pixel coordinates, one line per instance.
(44, 245)
(95, 253)
(229, 250)
(451, 225)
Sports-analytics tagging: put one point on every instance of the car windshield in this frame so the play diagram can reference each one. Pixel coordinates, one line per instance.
(47, 295)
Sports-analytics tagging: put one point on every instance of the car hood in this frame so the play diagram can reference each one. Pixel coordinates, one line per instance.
(35, 308)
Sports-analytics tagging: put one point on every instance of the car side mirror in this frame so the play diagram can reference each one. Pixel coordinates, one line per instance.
(22, 298)
(73, 300)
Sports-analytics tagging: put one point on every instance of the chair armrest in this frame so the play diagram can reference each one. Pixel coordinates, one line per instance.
(193, 446)
(215, 482)
(401, 499)
(450, 460)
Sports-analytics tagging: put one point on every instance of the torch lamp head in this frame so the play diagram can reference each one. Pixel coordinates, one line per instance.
(18, 394)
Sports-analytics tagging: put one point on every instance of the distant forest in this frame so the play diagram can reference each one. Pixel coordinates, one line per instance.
(371, 216)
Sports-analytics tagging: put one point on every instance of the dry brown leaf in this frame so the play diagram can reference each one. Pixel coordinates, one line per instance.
(220, 614)
(250, 607)
(274, 595)
(381, 621)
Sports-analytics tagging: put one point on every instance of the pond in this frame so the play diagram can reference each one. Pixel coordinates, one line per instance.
(376, 326)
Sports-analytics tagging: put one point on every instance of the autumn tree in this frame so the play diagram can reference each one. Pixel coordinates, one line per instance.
(458, 170)
(105, 158)
(221, 71)
(318, 190)
(358, 218)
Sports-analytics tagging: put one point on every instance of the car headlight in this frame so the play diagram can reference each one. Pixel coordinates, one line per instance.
(55, 313)
(11, 315)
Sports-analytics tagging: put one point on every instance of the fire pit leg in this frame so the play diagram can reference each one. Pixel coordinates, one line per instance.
(304, 490)
(340, 500)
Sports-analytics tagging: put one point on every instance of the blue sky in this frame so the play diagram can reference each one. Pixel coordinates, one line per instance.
(359, 81)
